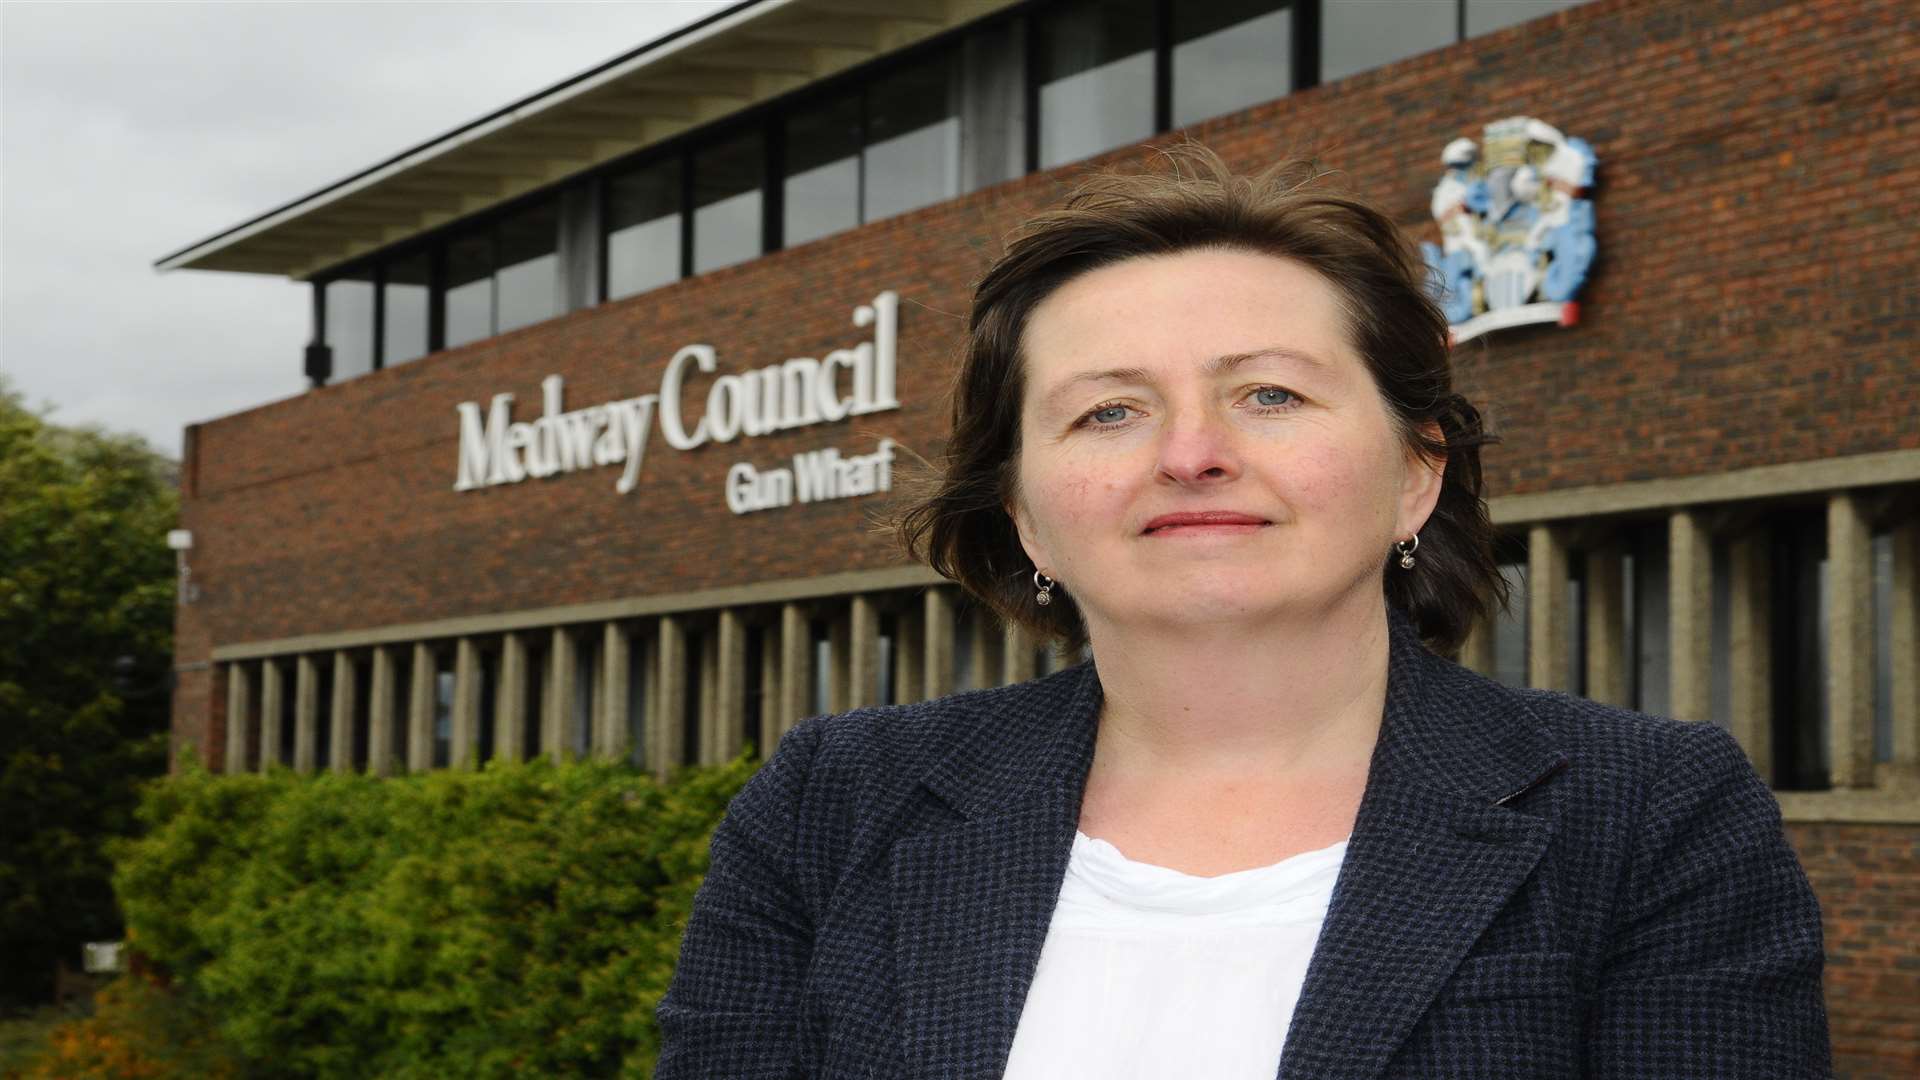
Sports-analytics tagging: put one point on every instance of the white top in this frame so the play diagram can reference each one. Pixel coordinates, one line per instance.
(1151, 973)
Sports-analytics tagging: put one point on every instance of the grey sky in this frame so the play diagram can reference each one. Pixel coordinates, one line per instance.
(128, 131)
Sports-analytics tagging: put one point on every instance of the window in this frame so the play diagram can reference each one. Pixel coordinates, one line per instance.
(726, 203)
(1510, 627)
(1096, 78)
(1799, 601)
(912, 156)
(586, 678)
(1229, 55)
(527, 281)
(404, 310)
(443, 683)
(469, 292)
(1486, 16)
(643, 228)
(1359, 37)
(821, 194)
(350, 323)
(1644, 591)
(638, 670)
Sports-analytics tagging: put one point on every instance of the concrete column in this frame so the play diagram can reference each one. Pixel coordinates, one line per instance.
(1690, 615)
(1546, 608)
(560, 711)
(306, 713)
(1016, 661)
(1905, 641)
(422, 702)
(1476, 652)
(273, 703)
(1750, 649)
(1606, 629)
(464, 752)
(729, 688)
(769, 736)
(670, 747)
(937, 632)
(510, 699)
(796, 649)
(909, 657)
(239, 717)
(380, 712)
(839, 646)
(346, 703)
(1849, 642)
(863, 652)
(612, 727)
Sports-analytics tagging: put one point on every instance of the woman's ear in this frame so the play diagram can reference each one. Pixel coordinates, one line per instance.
(1023, 526)
(1426, 475)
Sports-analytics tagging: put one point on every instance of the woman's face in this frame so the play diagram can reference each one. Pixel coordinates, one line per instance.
(1200, 443)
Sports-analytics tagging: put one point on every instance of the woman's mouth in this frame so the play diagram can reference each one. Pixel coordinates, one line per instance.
(1204, 521)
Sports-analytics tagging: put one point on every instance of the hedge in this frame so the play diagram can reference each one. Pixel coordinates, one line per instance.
(517, 921)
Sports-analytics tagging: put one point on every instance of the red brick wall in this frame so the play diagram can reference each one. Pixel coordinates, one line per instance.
(1868, 879)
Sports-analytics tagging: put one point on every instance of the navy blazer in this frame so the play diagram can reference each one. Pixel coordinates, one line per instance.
(1535, 886)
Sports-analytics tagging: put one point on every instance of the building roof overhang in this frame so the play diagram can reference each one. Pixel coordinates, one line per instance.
(722, 65)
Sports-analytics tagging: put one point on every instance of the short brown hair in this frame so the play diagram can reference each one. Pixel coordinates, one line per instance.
(961, 526)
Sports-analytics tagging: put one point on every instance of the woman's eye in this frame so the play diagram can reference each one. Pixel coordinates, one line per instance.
(1109, 414)
(1272, 396)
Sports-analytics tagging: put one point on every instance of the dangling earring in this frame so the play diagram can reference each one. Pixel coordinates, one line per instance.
(1044, 585)
(1406, 549)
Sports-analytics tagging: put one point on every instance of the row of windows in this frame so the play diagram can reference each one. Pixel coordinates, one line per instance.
(917, 130)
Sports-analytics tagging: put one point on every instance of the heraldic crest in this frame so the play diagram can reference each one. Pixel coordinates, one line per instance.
(1516, 228)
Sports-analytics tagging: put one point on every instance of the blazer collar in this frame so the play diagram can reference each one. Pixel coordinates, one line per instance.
(1433, 856)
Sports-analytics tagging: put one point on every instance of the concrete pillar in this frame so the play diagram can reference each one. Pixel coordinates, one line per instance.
(729, 710)
(909, 657)
(1905, 642)
(1546, 608)
(612, 727)
(306, 713)
(422, 703)
(670, 747)
(380, 712)
(770, 712)
(239, 717)
(1016, 662)
(559, 718)
(1750, 649)
(464, 751)
(510, 699)
(1476, 652)
(346, 706)
(1690, 615)
(796, 665)
(937, 632)
(1849, 642)
(863, 652)
(1606, 628)
(273, 703)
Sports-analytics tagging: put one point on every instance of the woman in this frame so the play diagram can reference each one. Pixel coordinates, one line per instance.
(1205, 425)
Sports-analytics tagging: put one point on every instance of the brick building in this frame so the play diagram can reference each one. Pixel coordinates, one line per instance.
(1709, 485)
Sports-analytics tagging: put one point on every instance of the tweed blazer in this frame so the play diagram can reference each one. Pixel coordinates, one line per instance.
(1535, 886)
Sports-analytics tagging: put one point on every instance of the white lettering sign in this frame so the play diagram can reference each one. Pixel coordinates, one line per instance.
(496, 449)
(814, 476)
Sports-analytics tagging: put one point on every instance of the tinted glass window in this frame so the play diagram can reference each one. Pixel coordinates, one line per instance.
(1227, 56)
(1486, 16)
(822, 189)
(726, 203)
(993, 112)
(1096, 78)
(913, 137)
(469, 296)
(350, 324)
(528, 280)
(643, 228)
(1360, 37)
(404, 337)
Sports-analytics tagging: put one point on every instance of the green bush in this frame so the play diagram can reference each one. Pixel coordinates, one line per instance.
(518, 921)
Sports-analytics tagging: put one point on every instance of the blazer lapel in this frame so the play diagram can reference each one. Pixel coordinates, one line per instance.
(1433, 857)
(972, 903)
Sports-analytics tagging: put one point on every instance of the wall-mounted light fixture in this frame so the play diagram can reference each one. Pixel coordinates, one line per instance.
(181, 541)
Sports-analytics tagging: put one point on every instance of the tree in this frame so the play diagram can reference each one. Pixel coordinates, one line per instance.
(86, 629)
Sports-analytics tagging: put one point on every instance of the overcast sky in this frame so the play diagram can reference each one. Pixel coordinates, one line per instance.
(129, 131)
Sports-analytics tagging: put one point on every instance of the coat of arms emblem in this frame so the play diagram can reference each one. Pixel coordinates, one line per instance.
(1516, 228)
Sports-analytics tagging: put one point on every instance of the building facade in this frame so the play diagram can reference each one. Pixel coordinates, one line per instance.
(609, 387)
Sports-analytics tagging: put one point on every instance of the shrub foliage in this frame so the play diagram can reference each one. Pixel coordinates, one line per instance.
(517, 921)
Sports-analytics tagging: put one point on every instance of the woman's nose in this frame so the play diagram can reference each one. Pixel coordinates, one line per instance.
(1197, 447)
